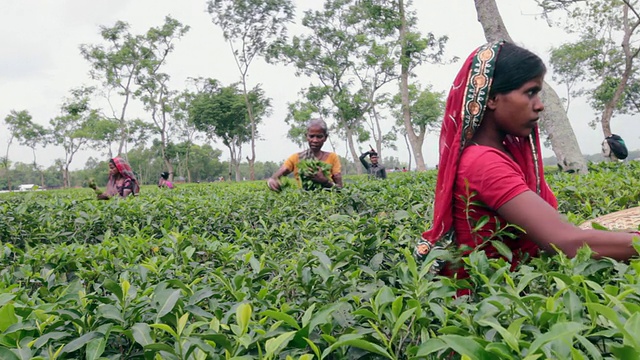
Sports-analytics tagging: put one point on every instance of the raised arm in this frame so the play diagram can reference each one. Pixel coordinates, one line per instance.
(363, 161)
(545, 226)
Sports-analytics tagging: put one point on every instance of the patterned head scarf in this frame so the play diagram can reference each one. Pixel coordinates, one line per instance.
(464, 111)
(125, 170)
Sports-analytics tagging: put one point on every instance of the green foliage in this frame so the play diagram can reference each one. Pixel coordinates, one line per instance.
(129, 67)
(251, 25)
(427, 108)
(601, 62)
(221, 111)
(308, 168)
(221, 271)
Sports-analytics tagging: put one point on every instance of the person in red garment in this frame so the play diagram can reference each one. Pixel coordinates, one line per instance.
(490, 174)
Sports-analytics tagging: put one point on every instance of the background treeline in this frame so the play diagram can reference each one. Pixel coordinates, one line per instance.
(360, 60)
(203, 164)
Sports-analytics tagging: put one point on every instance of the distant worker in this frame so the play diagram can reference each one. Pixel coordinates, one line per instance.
(374, 169)
(164, 181)
(614, 148)
(122, 181)
(317, 134)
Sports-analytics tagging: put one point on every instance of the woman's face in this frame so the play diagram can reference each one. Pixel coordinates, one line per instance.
(316, 137)
(113, 170)
(517, 112)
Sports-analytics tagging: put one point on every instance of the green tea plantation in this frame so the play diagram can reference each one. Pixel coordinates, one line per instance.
(235, 271)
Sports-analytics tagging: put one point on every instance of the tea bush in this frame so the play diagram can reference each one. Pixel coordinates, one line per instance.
(234, 271)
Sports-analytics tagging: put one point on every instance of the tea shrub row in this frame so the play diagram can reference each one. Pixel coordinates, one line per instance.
(234, 271)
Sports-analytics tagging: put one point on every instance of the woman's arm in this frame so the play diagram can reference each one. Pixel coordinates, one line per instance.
(337, 179)
(273, 182)
(544, 225)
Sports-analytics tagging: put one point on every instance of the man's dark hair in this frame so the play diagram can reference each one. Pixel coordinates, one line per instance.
(514, 67)
(373, 153)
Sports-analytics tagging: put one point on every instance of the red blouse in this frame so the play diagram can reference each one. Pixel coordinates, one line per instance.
(486, 179)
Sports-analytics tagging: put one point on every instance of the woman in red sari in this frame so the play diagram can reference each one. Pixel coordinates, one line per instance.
(490, 174)
(122, 181)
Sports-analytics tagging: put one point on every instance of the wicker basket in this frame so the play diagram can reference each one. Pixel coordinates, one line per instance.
(628, 219)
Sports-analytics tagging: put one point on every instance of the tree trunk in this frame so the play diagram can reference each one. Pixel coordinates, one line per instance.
(352, 149)
(554, 121)
(252, 120)
(6, 168)
(236, 163)
(65, 177)
(163, 149)
(404, 89)
(123, 123)
(186, 163)
(35, 168)
(408, 148)
(378, 139)
(6, 163)
(169, 166)
(611, 105)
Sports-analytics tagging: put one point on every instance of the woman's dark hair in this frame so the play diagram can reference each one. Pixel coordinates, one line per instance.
(164, 175)
(514, 67)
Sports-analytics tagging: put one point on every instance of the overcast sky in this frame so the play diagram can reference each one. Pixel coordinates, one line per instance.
(41, 62)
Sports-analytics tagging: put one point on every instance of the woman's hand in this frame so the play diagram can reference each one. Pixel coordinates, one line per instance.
(103, 196)
(274, 184)
(321, 179)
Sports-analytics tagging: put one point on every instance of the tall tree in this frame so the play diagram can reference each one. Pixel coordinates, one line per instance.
(326, 53)
(119, 64)
(220, 111)
(414, 49)
(185, 128)
(554, 121)
(107, 132)
(606, 52)
(154, 91)
(15, 121)
(427, 109)
(72, 130)
(250, 26)
(31, 134)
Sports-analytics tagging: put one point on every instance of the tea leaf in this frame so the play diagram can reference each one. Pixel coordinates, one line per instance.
(243, 315)
(557, 332)
(274, 345)
(288, 319)
(466, 346)
(7, 354)
(166, 301)
(7, 317)
(80, 342)
(356, 342)
(142, 333)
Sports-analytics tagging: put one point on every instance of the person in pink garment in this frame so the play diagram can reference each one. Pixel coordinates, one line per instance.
(164, 181)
